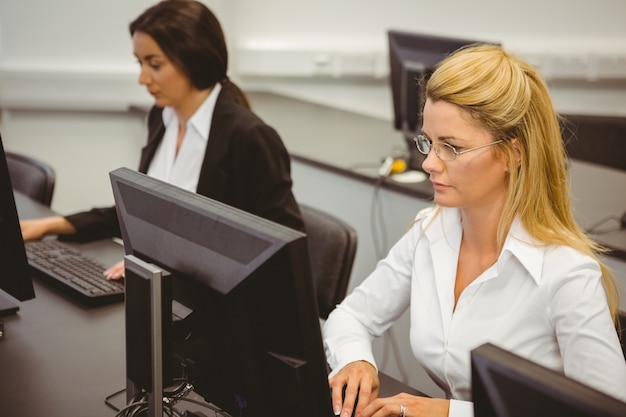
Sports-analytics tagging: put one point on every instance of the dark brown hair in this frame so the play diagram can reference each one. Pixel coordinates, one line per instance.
(191, 37)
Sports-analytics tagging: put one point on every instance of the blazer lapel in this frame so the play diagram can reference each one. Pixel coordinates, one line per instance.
(212, 177)
(156, 131)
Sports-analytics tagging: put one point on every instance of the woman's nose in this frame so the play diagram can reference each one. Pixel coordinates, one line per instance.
(143, 77)
(431, 161)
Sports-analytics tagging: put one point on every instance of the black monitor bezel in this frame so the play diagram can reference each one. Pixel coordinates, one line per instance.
(16, 283)
(232, 301)
(538, 391)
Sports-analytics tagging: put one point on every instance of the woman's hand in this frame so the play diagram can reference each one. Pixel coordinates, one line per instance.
(405, 405)
(359, 379)
(116, 271)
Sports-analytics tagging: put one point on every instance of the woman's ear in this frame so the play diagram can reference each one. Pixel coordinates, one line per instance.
(518, 151)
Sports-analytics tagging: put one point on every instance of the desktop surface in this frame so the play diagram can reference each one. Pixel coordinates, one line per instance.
(59, 357)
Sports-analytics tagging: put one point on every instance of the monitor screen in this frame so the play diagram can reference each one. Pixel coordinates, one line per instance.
(507, 385)
(251, 341)
(412, 58)
(15, 279)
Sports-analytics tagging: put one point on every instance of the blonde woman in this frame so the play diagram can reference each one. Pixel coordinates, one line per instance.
(499, 258)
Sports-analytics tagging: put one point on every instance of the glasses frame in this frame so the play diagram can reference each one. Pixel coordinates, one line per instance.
(437, 147)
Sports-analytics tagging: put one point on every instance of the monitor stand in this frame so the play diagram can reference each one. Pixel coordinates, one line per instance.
(137, 301)
(8, 304)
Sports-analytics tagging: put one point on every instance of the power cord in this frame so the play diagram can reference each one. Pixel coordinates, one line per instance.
(377, 221)
(170, 396)
(138, 406)
(108, 399)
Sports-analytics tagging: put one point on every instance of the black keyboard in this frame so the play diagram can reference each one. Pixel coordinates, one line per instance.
(73, 272)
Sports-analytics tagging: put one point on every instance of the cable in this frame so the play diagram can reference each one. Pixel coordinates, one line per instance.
(218, 411)
(377, 221)
(389, 167)
(170, 398)
(108, 402)
(140, 408)
(123, 412)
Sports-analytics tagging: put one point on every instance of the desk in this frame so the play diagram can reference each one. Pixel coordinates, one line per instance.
(59, 358)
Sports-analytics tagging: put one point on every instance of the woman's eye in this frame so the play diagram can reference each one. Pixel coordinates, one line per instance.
(456, 148)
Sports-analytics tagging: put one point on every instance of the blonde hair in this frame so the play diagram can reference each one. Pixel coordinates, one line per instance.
(509, 98)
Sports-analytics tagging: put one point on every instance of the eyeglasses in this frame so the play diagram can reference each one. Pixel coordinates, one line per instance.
(444, 151)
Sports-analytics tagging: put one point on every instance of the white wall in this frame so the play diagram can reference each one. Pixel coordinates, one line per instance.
(94, 32)
(565, 39)
(529, 22)
(86, 33)
(77, 52)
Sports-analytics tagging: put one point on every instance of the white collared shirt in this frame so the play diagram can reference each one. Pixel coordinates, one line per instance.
(183, 170)
(534, 301)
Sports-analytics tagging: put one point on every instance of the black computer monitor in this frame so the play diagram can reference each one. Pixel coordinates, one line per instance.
(252, 344)
(15, 280)
(412, 58)
(507, 385)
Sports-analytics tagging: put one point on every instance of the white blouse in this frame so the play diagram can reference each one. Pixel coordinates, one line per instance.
(183, 170)
(547, 304)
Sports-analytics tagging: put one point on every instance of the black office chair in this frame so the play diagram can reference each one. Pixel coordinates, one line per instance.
(332, 248)
(31, 177)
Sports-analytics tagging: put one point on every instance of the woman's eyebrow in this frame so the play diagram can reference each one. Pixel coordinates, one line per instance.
(440, 138)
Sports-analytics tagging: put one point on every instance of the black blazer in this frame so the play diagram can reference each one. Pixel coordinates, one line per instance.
(245, 165)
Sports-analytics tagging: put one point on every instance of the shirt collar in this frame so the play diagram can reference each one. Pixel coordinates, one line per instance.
(518, 243)
(201, 119)
(526, 249)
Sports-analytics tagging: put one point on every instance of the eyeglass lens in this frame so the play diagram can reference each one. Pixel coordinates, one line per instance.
(444, 151)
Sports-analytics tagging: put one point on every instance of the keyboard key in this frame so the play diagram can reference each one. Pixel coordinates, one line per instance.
(72, 271)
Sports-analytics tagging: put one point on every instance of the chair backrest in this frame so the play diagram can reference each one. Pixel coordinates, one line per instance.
(332, 248)
(31, 177)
